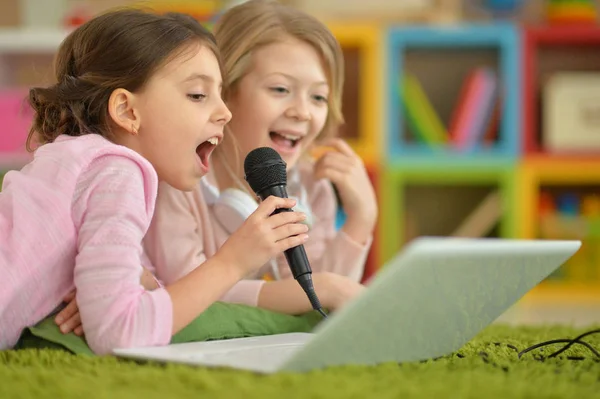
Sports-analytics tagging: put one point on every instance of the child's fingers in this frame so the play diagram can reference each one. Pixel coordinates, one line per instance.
(68, 312)
(331, 174)
(79, 331)
(335, 160)
(71, 324)
(284, 218)
(291, 242)
(289, 230)
(341, 146)
(268, 206)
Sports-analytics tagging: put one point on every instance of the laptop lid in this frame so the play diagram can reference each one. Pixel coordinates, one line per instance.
(431, 299)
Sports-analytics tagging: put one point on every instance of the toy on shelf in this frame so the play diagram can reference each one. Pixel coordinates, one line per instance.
(571, 11)
(572, 112)
(574, 217)
(556, 52)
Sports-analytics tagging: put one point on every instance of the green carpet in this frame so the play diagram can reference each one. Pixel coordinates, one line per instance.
(481, 369)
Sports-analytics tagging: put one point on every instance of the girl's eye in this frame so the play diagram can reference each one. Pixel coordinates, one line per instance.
(197, 97)
(321, 99)
(279, 89)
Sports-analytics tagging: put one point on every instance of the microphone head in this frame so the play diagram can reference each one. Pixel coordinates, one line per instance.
(264, 168)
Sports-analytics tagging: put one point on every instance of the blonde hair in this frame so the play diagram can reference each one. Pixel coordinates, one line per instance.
(256, 23)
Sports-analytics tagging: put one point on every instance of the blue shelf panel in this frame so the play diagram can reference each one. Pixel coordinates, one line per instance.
(445, 162)
(504, 36)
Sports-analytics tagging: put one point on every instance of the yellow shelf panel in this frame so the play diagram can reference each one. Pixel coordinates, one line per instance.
(564, 293)
(368, 38)
(535, 173)
(567, 171)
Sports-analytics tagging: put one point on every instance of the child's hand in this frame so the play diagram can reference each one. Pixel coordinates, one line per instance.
(335, 290)
(69, 319)
(263, 236)
(346, 170)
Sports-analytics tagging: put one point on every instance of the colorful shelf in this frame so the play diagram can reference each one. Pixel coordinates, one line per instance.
(502, 37)
(394, 181)
(367, 39)
(534, 39)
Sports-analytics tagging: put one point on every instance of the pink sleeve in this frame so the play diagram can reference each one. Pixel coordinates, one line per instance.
(329, 250)
(175, 242)
(112, 209)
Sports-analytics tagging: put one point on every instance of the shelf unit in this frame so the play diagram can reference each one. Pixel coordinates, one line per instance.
(535, 173)
(538, 41)
(503, 38)
(546, 50)
(395, 181)
(363, 86)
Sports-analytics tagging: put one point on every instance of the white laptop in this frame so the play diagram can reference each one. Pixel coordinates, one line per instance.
(427, 302)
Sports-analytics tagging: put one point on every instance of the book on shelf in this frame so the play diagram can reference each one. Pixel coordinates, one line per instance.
(474, 121)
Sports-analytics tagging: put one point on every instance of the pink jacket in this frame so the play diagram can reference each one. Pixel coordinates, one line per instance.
(185, 232)
(75, 217)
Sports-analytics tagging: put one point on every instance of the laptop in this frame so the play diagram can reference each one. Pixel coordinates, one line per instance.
(428, 301)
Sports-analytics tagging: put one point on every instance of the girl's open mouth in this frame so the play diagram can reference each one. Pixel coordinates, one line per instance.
(284, 142)
(204, 150)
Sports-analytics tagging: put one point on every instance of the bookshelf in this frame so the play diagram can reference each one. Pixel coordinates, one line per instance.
(451, 43)
(554, 184)
(548, 50)
(572, 180)
(396, 181)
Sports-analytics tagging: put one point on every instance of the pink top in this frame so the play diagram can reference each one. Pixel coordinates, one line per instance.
(75, 217)
(185, 232)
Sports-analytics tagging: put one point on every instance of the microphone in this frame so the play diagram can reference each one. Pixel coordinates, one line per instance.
(266, 174)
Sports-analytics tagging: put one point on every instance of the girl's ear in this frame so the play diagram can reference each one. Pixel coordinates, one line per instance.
(123, 112)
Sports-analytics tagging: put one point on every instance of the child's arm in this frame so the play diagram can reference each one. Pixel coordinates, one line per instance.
(69, 319)
(175, 241)
(112, 209)
(344, 168)
(286, 296)
(174, 244)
